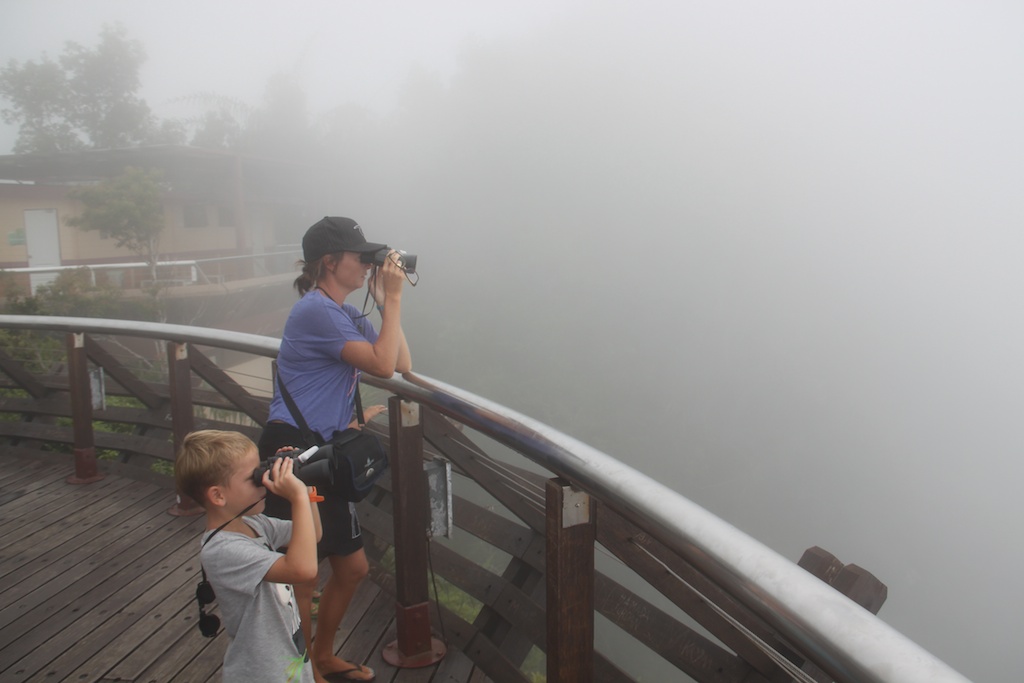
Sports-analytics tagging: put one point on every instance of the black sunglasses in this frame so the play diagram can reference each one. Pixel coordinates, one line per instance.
(209, 624)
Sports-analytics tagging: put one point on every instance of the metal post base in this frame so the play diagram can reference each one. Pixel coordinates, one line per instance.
(393, 656)
(86, 470)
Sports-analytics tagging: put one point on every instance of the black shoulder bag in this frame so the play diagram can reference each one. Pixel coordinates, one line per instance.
(358, 457)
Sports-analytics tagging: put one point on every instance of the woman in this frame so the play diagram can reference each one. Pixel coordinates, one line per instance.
(325, 345)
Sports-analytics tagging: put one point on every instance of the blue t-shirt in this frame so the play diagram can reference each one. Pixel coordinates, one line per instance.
(320, 382)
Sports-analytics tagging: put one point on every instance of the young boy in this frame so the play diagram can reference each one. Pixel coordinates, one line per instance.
(252, 581)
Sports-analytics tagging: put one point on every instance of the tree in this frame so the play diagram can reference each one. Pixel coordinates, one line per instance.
(86, 98)
(74, 293)
(127, 208)
(38, 93)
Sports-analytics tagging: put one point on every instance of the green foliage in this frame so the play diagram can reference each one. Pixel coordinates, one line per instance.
(74, 294)
(159, 466)
(127, 208)
(456, 600)
(535, 665)
(85, 98)
(38, 96)
(41, 353)
(280, 128)
(217, 129)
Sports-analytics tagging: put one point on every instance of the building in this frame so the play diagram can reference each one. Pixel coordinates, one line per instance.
(230, 212)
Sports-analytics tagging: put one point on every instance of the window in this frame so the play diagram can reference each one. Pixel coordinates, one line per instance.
(194, 216)
(225, 216)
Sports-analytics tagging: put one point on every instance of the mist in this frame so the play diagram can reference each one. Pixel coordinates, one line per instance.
(768, 254)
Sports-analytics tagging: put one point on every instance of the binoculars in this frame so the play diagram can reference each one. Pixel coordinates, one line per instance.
(406, 261)
(315, 470)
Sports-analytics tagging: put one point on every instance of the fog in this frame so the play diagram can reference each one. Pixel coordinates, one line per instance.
(768, 253)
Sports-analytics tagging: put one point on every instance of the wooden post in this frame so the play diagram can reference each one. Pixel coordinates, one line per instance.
(179, 377)
(570, 584)
(415, 647)
(79, 386)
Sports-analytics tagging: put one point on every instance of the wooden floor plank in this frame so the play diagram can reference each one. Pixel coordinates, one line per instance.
(92, 626)
(23, 496)
(69, 521)
(110, 595)
(16, 469)
(59, 553)
(100, 634)
(64, 606)
(72, 586)
(364, 596)
(454, 668)
(97, 585)
(151, 644)
(368, 636)
(188, 660)
(140, 644)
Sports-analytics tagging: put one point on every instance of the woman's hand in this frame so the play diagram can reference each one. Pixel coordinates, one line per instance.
(390, 352)
(388, 279)
(368, 414)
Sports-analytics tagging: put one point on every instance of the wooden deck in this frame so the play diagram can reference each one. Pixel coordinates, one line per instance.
(98, 584)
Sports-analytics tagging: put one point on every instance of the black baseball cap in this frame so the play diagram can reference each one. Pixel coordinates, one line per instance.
(332, 234)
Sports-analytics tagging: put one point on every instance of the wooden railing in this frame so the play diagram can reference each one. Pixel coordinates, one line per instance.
(548, 534)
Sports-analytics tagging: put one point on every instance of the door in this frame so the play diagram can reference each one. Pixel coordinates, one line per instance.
(42, 240)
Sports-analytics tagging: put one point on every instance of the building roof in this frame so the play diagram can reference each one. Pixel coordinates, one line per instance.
(96, 164)
(190, 170)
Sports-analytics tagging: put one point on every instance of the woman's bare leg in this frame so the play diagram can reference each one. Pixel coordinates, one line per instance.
(346, 574)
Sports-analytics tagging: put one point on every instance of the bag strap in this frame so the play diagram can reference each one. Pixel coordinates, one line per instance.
(359, 407)
(300, 422)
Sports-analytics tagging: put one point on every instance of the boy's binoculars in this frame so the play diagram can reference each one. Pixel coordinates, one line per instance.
(317, 470)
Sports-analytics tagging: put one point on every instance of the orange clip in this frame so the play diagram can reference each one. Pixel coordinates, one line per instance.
(313, 497)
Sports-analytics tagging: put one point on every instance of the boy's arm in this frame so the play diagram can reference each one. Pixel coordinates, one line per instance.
(317, 529)
(299, 564)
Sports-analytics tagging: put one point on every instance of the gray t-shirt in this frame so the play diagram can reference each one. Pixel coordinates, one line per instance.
(261, 617)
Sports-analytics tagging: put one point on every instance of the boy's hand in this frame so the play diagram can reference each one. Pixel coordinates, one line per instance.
(280, 480)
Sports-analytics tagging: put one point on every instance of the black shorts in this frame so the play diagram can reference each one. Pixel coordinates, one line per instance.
(342, 535)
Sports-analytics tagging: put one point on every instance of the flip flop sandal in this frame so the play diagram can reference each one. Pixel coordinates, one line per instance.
(346, 674)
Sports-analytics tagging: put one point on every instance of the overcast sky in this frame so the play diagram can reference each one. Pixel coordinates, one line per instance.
(342, 51)
(779, 241)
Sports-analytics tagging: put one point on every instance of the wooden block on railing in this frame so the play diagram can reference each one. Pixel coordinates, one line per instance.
(854, 582)
(821, 563)
(862, 587)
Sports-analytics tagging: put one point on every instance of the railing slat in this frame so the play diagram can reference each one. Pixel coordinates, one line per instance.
(122, 375)
(226, 386)
(22, 377)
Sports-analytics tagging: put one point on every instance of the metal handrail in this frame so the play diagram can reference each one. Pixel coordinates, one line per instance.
(841, 637)
(197, 264)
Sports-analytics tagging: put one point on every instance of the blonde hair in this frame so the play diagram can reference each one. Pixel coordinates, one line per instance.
(208, 458)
